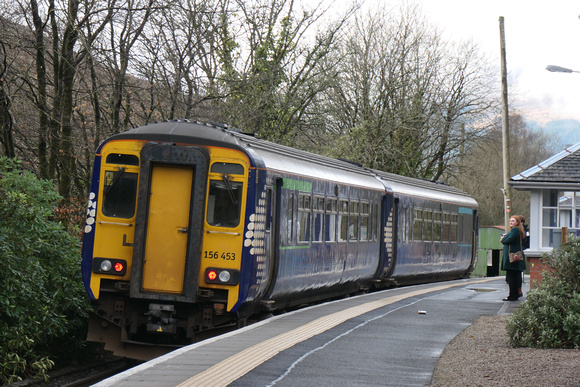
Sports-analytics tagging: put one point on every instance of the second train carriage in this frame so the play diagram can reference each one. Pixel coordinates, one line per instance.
(192, 226)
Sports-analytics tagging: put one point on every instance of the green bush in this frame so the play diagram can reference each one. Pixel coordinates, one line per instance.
(43, 310)
(550, 317)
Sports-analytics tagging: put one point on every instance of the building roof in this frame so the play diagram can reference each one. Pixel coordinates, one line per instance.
(559, 171)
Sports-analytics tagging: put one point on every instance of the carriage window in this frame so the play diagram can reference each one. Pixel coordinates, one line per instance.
(290, 223)
(427, 225)
(375, 219)
(303, 221)
(342, 220)
(353, 221)
(119, 193)
(436, 226)
(318, 219)
(224, 203)
(227, 168)
(331, 210)
(446, 223)
(418, 225)
(364, 221)
(453, 228)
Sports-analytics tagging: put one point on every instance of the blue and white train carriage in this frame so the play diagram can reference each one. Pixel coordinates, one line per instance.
(192, 227)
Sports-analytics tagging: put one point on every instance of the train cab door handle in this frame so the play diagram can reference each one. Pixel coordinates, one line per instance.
(183, 230)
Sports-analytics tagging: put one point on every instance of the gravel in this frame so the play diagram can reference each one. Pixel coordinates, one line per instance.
(482, 356)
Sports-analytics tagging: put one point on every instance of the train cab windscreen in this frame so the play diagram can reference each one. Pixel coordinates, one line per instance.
(120, 188)
(224, 203)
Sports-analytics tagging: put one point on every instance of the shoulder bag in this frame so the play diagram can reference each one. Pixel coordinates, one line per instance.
(517, 256)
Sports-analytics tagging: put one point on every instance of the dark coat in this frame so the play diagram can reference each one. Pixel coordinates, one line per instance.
(511, 244)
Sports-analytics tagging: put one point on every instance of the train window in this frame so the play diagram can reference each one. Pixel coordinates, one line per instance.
(268, 208)
(290, 224)
(364, 221)
(227, 168)
(119, 193)
(453, 228)
(427, 225)
(318, 219)
(353, 221)
(376, 220)
(123, 159)
(436, 226)
(331, 210)
(342, 220)
(303, 221)
(418, 226)
(446, 224)
(224, 203)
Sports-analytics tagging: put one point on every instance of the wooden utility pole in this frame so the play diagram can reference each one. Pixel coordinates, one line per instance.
(505, 128)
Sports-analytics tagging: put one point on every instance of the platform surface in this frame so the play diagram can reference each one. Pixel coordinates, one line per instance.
(393, 337)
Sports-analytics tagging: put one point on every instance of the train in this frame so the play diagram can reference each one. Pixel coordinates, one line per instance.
(192, 227)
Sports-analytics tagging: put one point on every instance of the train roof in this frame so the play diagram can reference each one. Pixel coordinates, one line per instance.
(263, 154)
(436, 191)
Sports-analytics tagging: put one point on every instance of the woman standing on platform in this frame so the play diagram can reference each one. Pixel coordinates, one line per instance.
(512, 243)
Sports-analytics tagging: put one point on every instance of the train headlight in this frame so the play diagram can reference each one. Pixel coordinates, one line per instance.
(106, 265)
(224, 276)
(214, 275)
(110, 266)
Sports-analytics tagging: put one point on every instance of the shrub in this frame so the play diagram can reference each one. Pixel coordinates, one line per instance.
(42, 302)
(550, 317)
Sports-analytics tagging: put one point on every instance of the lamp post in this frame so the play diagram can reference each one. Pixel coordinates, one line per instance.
(559, 69)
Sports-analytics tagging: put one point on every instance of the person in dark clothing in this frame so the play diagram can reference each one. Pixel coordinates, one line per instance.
(512, 243)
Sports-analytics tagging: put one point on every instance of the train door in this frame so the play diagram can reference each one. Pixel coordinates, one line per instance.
(274, 248)
(474, 240)
(168, 225)
(388, 236)
(167, 228)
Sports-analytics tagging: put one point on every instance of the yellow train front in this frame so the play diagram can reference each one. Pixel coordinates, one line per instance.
(162, 264)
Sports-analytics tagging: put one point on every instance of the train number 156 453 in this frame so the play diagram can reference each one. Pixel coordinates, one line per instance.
(219, 254)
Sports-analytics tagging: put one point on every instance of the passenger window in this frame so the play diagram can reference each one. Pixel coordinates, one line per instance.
(353, 221)
(343, 220)
(224, 203)
(303, 222)
(119, 193)
(364, 221)
(318, 219)
(290, 217)
(330, 230)
(418, 225)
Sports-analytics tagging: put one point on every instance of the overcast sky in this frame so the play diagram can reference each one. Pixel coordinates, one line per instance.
(537, 33)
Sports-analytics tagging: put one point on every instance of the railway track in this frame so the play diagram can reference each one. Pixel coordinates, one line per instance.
(81, 376)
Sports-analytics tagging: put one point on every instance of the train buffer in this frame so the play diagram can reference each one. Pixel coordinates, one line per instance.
(375, 339)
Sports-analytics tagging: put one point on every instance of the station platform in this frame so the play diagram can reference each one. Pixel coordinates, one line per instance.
(392, 337)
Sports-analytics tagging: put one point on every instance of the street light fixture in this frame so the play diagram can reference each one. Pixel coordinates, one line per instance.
(559, 69)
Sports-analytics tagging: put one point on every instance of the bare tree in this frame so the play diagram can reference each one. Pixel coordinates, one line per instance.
(274, 66)
(405, 101)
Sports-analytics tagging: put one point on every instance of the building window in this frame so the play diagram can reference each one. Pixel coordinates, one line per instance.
(559, 209)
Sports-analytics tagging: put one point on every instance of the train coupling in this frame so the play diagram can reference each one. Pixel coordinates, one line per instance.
(161, 319)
